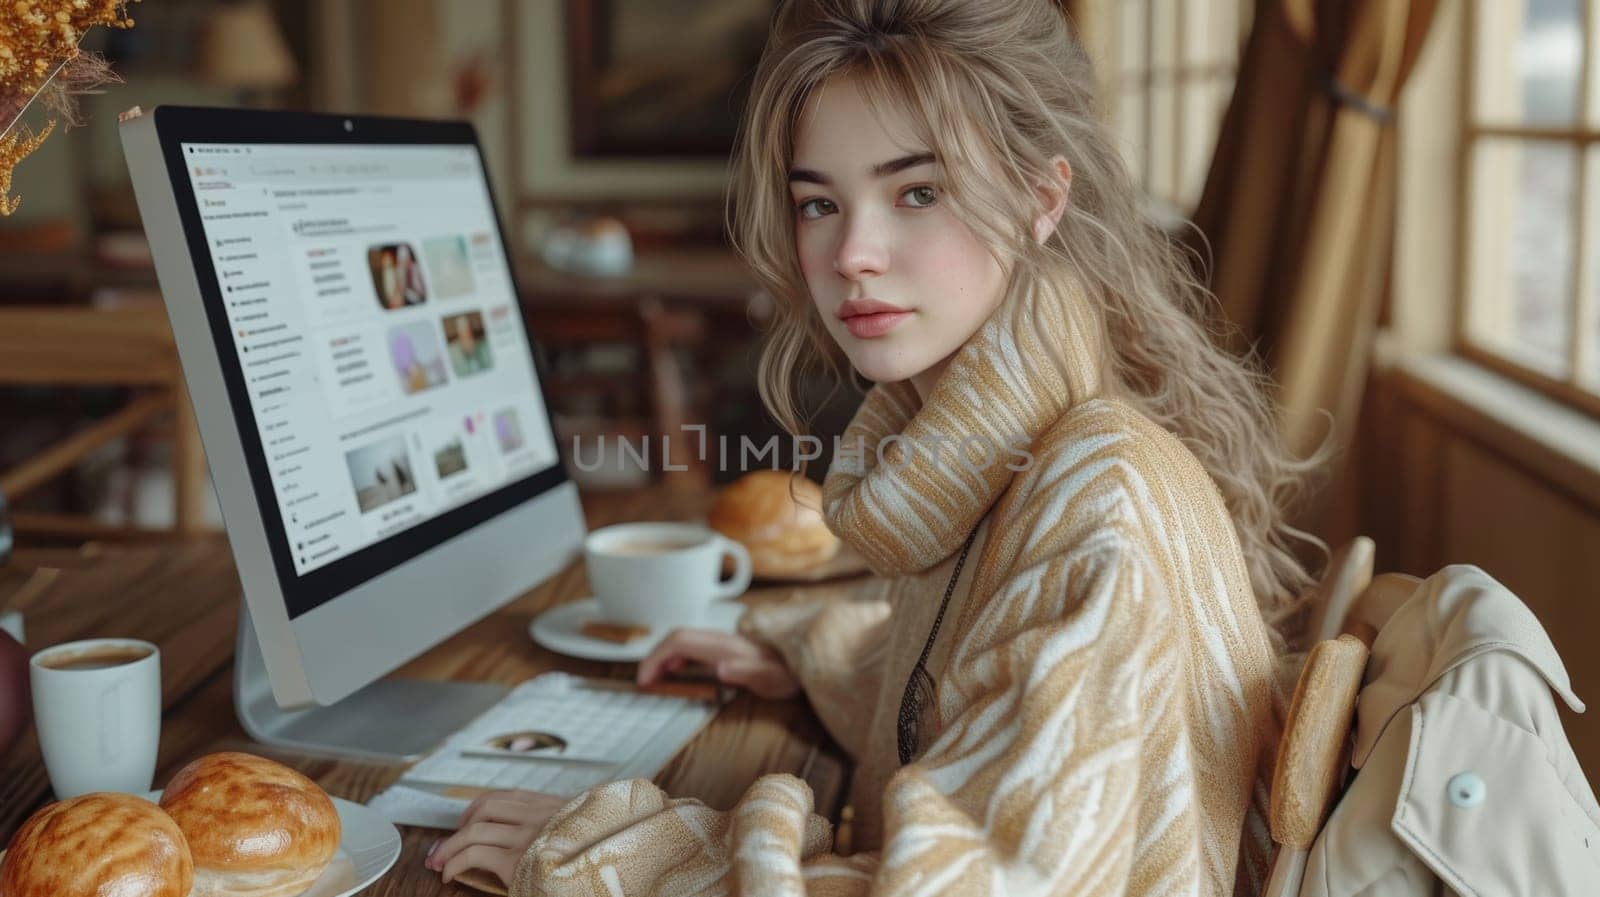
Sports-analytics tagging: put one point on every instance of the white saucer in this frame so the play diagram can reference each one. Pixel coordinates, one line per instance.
(368, 846)
(559, 630)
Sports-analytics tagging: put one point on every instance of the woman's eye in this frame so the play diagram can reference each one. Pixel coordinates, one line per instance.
(815, 208)
(921, 197)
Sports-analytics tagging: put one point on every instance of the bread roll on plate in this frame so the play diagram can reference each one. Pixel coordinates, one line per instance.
(256, 828)
(777, 516)
(98, 844)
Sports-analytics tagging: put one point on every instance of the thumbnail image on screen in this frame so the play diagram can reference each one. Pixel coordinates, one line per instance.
(469, 347)
(449, 268)
(381, 472)
(450, 459)
(508, 430)
(396, 275)
(417, 356)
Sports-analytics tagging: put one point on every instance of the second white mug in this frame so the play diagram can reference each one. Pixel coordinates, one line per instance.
(662, 574)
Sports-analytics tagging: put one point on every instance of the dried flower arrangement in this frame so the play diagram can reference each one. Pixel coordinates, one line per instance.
(40, 61)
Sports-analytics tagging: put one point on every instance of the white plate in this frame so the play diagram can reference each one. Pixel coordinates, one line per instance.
(368, 846)
(559, 630)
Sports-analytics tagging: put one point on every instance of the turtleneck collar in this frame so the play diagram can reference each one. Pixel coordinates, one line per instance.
(923, 477)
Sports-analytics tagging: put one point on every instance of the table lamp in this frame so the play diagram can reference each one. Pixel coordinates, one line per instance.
(241, 47)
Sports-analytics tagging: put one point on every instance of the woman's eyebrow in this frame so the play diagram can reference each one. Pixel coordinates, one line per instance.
(882, 169)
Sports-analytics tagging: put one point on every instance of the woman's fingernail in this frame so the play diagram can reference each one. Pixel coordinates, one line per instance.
(432, 847)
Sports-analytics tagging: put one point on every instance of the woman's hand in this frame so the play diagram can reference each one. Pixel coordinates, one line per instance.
(494, 833)
(737, 660)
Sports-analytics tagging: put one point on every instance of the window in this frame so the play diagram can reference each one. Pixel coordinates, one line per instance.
(1173, 65)
(1531, 181)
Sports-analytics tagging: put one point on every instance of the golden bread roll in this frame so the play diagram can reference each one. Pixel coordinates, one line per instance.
(256, 828)
(777, 516)
(98, 844)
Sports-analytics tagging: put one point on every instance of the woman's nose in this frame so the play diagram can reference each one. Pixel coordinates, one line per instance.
(862, 250)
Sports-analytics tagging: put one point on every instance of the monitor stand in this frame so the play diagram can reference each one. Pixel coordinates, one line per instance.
(389, 721)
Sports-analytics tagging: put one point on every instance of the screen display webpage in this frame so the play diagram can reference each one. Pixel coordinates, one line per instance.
(373, 317)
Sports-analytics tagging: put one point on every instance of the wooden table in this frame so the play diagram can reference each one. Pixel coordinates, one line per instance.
(185, 598)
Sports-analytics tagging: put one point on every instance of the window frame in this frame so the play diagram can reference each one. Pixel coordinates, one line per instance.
(1583, 310)
(1135, 87)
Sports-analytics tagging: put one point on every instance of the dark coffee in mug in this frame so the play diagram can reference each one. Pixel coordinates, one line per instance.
(95, 659)
(648, 547)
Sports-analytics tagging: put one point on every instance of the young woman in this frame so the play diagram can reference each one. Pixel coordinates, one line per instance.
(1065, 681)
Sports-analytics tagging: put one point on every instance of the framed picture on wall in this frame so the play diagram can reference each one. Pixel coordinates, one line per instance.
(652, 78)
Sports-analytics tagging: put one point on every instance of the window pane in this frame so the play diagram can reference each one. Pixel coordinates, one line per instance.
(1521, 258)
(1130, 130)
(1194, 43)
(1131, 56)
(1210, 33)
(1529, 58)
(1589, 326)
(1164, 24)
(1189, 36)
(1209, 104)
(1164, 140)
(1591, 378)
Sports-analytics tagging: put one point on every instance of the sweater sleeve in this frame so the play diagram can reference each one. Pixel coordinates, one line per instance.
(834, 640)
(1049, 708)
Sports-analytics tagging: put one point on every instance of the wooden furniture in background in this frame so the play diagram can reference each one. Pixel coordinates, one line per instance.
(1346, 578)
(1313, 756)
(80, 347)
(185, 598)
(679, 311)
(63, 276)
(713, 283)
(1349, 606)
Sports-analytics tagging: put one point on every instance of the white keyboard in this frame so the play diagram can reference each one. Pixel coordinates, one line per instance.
(610, 732)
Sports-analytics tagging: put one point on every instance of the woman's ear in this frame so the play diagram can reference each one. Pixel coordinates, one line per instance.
(1053, 196)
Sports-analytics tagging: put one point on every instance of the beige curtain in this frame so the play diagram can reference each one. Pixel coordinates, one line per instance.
(1299, 204)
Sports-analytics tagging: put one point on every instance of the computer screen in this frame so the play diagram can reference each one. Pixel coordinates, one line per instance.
(386, 372)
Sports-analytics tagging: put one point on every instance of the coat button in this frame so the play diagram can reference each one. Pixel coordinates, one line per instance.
(1466, 790)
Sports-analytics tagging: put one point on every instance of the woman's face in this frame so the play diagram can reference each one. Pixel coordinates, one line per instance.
(900, 281)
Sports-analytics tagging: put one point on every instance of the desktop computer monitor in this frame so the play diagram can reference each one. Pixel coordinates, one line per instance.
(369, 400)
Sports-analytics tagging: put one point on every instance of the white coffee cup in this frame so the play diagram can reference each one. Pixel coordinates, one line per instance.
(97, 706)
(662, 574)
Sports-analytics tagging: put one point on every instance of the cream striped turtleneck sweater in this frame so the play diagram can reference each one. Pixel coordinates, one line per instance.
(1104, 704)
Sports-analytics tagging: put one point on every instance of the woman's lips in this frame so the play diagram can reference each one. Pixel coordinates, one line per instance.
(874, 325)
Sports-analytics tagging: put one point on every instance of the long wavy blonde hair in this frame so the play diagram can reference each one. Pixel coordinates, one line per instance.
(997, 89)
